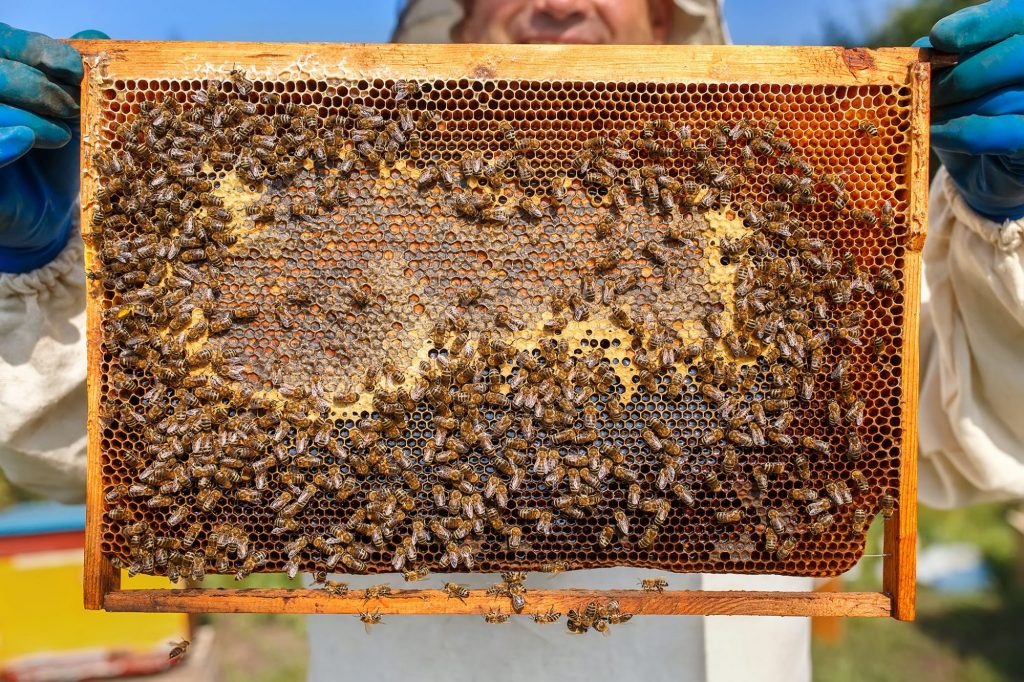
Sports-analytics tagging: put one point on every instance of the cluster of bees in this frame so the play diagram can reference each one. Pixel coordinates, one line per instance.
(525, 440)
(579, 621)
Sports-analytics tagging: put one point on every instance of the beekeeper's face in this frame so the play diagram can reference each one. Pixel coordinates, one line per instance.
(635, 22)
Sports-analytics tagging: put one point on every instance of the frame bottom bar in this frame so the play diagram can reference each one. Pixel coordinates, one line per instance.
(430, 602)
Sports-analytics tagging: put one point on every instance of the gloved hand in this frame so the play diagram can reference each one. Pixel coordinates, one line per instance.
(39, 138)
(978, 106)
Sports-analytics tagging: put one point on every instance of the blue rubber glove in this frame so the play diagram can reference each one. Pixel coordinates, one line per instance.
(978, 106)
(39, 137)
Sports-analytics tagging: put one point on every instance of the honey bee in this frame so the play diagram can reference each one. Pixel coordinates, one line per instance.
(496, 617)
(886, 280)
(818, 506)
(115, 493)
(514, 537)
(377, 592)
(760, 479)
(178, 649)
(821, 524)
(859, 523)
(841, 200)
(859, 480)
(606, 537)
(524, 170)
(254, 561)
(456, 591)
(854, 446)
(555, 325)
(712, 436)
(370, 619)
(816, 444)
(651, 147)
(621, 522)
(550, 616)
(887, 505)
(834, 413)
(855, 413)
(785, 549)
(122, 514)
(403, 89)
(624, 284)
(713, 324)
(335, 588)
(413, 574)
(803, 494)
(868, 128)
(505, 319)
(555, 567)
(618, 199)
(803, 467)
(653, 584)
(530, 208)
(428, 177)
(557, 191)
(864, 216)
(242, 85)
(886, 215)
(727, 516)
(472, 165)
(712, 483)
(508, 131)
(634, 183)
(771, 540)
(877, 346)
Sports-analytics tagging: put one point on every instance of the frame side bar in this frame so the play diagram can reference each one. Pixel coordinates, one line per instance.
(99, 575)
(899, 578)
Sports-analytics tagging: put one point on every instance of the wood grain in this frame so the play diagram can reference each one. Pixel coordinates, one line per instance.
(670, 63)
(677, 602)
(99, 576)
(899, 574)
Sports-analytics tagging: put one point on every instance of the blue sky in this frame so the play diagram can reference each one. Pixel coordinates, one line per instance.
(782, 22)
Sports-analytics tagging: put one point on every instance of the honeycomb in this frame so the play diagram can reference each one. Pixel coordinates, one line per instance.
(378, 325)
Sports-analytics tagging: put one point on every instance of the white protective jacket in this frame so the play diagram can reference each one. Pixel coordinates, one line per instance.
(971, 436)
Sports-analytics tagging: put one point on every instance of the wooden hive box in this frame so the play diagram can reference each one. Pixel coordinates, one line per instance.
(325, 277)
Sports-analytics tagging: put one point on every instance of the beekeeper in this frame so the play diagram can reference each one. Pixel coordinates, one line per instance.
(972, 336)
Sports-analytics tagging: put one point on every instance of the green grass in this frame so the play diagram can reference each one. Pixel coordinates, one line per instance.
(260, 647)
(964, 638)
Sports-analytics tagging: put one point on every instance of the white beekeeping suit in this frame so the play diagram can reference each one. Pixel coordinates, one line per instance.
(972, 445)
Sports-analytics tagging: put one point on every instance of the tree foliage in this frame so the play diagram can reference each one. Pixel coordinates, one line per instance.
(904, 24)
(907, 23)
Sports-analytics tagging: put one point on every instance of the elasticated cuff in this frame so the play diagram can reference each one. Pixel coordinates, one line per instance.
(1006, 234)
(18, 261)
(1000, 215)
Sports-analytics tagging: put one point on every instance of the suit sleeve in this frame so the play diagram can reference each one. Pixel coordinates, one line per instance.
(972, 355)
(42, 377)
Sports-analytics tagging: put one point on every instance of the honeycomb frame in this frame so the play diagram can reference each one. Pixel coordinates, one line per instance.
(778, 69)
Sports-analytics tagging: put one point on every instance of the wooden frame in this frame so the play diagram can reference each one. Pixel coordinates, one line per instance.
(109, 61)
